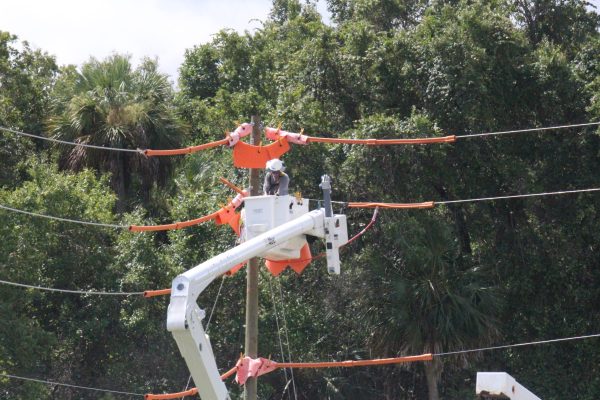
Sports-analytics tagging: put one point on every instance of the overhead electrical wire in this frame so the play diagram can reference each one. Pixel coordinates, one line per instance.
(353, 363)
(285, 374)
(266, 365)
(71, 386)
(300, 138)
(190, 392)
(547, 128)
(75, 221)
(31, 135)
(429, 204)
(85, 292)
(286, 330)
(163, 292)
(509, 346)
(432, 204)
(517, 196)
(379, 142)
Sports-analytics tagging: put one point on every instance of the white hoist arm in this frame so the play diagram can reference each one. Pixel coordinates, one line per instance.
(184, 317)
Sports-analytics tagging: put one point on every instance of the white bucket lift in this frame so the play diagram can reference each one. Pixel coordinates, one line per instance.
(500, 385)
(263, 213)
(275, 227)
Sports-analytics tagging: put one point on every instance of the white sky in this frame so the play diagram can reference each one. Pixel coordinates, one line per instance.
(74, 30)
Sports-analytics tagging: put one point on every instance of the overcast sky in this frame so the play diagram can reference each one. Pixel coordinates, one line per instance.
(74, 30)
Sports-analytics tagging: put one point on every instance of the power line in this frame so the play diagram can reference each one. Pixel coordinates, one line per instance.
(539, 342)
(287, 338)
(140, 151)
(62, 219)
(508, 346)
(337, 202)
(212, 310)
(279, 337)
(71, 386)
(92, 292)
(70, 143)
(527, 130)
(516, 196)
(407, 359)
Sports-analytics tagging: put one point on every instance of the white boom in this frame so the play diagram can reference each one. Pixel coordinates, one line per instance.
(184, 317)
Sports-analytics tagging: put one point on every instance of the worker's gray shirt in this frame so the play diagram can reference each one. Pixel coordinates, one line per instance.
(272, 186)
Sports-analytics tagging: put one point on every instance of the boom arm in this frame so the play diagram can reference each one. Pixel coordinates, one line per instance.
(184, 317)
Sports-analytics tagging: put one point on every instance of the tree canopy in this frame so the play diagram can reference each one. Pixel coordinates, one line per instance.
(459, 276)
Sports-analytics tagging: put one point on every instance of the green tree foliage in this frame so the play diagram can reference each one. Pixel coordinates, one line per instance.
(457, 277)
(418, 69)
(566, 23)
(26, 78)
(55, 335)
(111, 105)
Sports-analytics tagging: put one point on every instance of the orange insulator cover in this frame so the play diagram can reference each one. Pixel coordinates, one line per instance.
(298, 265)
(249, 156)
(227, 215)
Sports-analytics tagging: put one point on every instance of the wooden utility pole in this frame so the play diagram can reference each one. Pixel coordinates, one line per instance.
(251, 343)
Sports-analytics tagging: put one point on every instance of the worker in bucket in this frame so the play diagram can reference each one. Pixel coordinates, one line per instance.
(276, 181)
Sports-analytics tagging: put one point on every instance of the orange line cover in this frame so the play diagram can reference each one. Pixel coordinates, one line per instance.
(254, 367)
(159, 292)
(382, 142)
(186, 150)
(190, 392)
(427, 204)
(176, 225)
(358, 363)
(166, 396)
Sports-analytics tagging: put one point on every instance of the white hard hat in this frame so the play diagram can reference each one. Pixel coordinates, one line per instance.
(275, 165)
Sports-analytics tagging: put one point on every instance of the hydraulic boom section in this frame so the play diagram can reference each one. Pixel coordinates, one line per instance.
(279, 234)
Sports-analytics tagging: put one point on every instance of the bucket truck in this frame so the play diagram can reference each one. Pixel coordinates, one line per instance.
(274, 227)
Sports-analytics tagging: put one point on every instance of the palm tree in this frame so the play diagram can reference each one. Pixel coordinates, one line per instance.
(109, 104)
(435, 300)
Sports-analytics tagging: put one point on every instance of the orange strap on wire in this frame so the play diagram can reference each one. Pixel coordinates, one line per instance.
(427, 204)
(232, 186)
(358, 363)
(382, 142)
(177, 225)
(190, 392)
(186, 150)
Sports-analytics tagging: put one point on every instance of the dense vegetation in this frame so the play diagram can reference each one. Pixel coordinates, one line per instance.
(456, 277)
